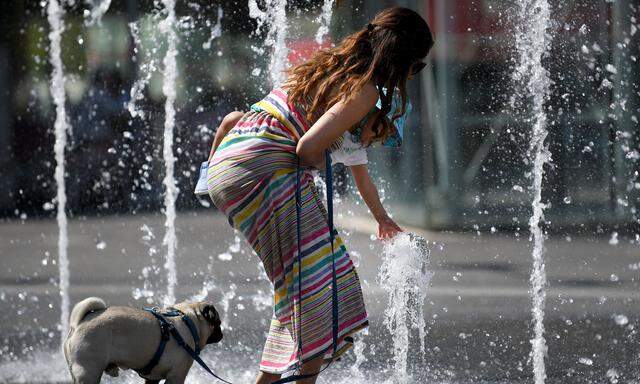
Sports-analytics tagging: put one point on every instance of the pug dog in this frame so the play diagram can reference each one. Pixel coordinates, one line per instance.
(105, 339)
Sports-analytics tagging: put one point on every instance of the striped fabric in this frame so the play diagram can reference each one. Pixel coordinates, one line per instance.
(252, 180)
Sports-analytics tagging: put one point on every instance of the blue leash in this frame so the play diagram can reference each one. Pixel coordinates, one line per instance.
(168, 329)
(334, 282)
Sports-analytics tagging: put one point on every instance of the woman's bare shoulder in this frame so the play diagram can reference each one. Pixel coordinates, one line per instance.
(368, 95)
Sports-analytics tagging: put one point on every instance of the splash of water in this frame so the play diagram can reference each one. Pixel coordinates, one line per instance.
(533, 41)
(147, 65)
(405, 277)
(225, 303)
(325, 20)
(147, 291)
(146, 69)
(358, 350)
(55, 16)
(274, 19)
(167, 26)
(216, 31)
(98, 9)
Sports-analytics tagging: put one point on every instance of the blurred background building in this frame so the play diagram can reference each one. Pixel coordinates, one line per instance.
(464, 162)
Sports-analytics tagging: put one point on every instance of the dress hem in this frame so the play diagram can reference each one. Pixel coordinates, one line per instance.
(295, 364)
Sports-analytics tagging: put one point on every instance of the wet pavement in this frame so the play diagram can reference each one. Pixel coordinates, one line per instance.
(478, 306)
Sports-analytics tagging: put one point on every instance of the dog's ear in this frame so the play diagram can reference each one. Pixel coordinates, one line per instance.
(210, 314)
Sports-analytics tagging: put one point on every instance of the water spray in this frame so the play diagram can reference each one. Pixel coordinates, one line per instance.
(404, 275)
(55, 16)
(533, 42)
(168, 26)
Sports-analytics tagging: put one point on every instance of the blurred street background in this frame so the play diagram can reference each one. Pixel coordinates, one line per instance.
(461, 179)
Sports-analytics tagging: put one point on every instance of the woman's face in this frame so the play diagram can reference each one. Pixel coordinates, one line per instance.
(415, 69)
(368, 135)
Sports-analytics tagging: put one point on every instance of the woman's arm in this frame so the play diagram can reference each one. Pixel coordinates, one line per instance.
(387, 228)
(225, 126)
(333, 123)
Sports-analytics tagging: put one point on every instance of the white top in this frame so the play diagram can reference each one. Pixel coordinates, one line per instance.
(351, 152)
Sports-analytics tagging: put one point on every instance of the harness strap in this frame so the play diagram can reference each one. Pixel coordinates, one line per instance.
(165, 329)
(168, 330)
(194, 332)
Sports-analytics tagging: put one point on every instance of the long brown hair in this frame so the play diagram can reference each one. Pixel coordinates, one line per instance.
(383, 51)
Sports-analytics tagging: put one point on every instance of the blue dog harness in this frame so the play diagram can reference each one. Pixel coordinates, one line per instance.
(167, 330)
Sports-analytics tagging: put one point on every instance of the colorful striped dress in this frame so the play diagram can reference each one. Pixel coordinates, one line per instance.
(252, 179)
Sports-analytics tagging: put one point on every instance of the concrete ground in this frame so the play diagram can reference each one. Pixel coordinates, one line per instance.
(478, 308)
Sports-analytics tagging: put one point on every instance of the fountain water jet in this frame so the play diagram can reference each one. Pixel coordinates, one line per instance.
(216, 31)
(532, 42)
(274, 17)
(325, 20)
(146, 69)
(55, 16)
(167, 26)
(358, 350)
(405, 277)
(98, 9)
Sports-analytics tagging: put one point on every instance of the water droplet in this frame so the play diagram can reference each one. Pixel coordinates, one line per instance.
(613, 376)
(585, 361)
(621, 319)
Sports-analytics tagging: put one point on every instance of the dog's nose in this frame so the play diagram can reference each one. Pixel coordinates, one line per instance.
(215, 337)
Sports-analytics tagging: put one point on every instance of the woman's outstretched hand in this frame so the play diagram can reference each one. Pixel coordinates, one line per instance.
(387, 228)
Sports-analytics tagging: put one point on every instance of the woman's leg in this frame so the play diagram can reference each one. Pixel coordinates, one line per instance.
(310, 367)
(267, 378)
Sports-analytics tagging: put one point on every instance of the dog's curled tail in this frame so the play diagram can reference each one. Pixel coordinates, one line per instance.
(81, 309)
